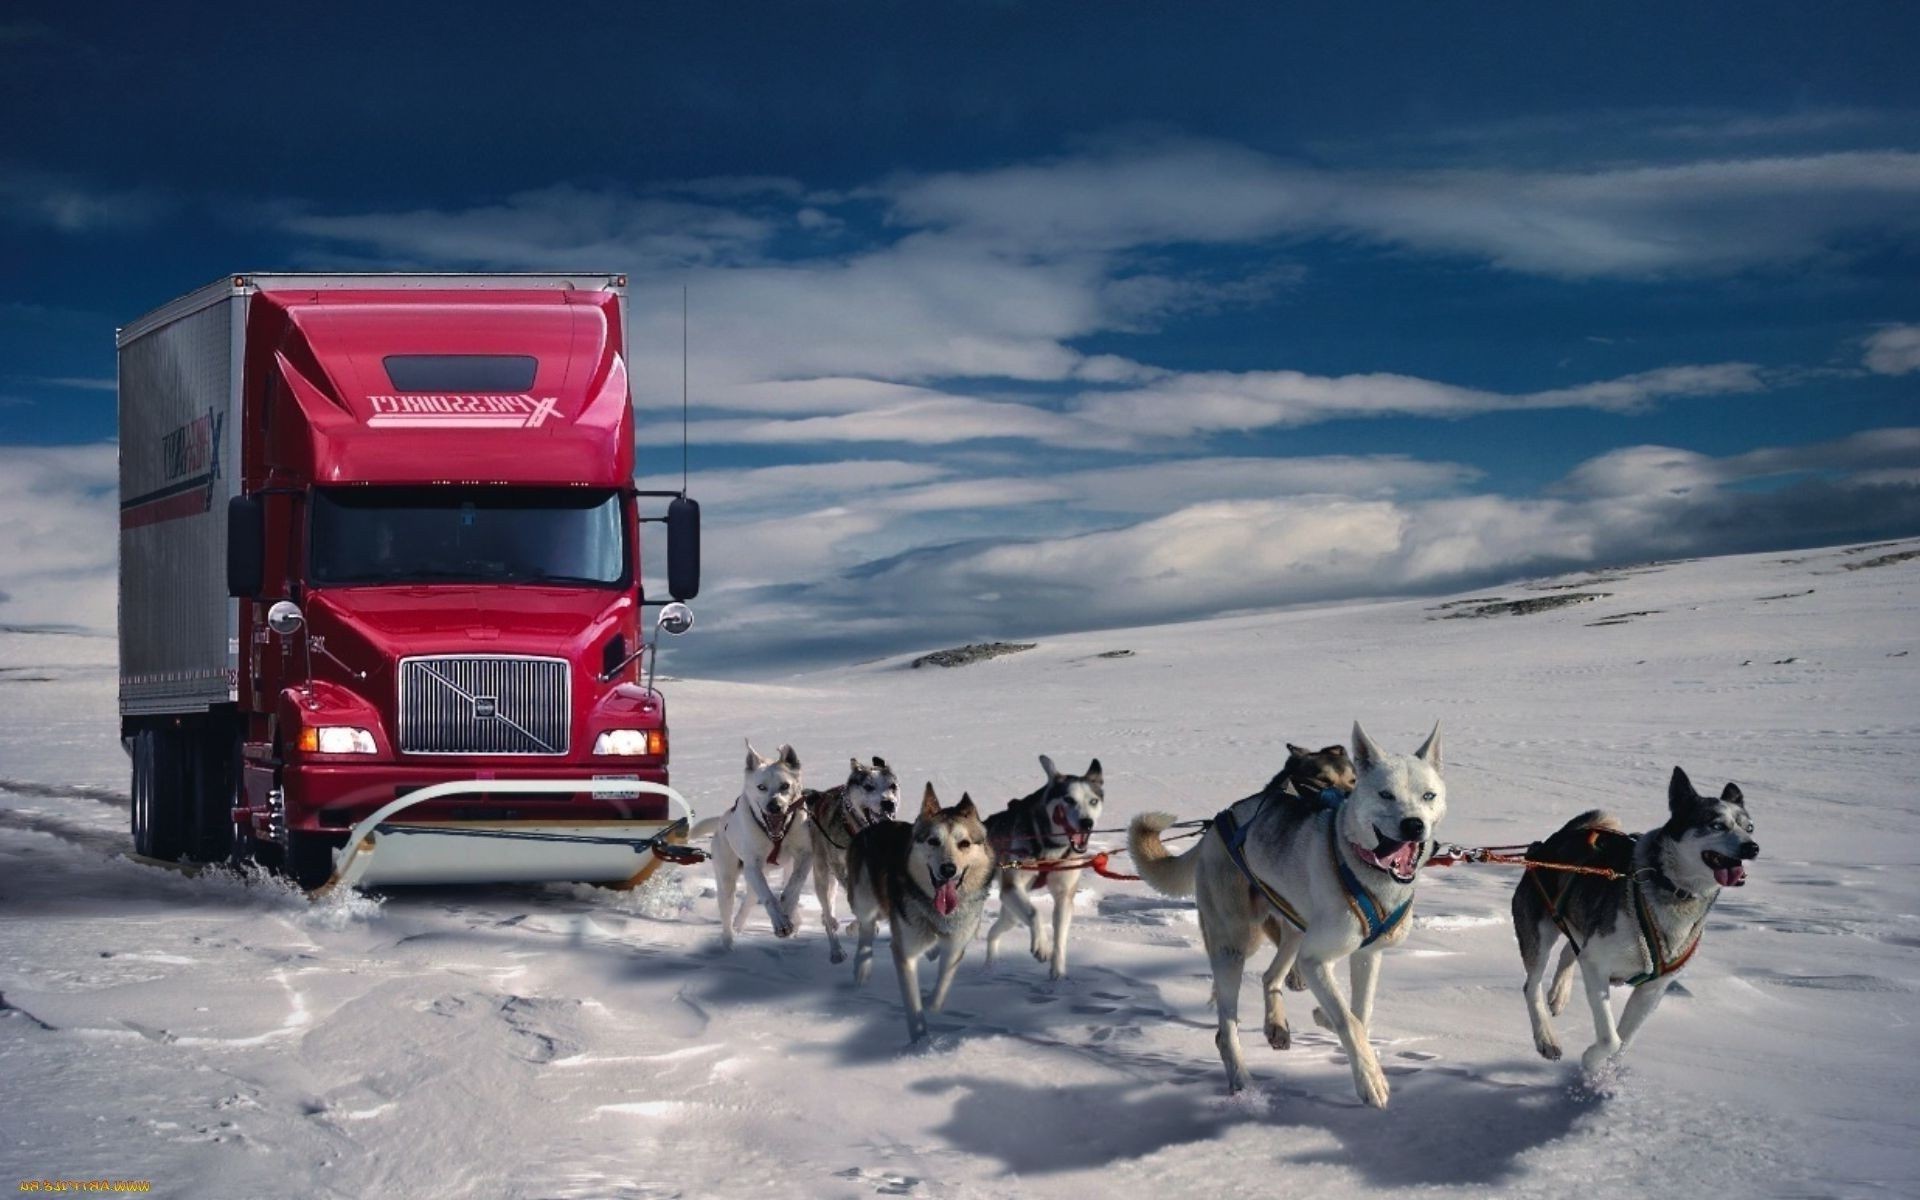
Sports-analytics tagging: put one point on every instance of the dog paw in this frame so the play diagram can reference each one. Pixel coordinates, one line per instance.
(1237, 1082)
(1549, 1049)
(1294, 982)
(836, 955)
(1371, 1086)
(783, 928)
(1279, 1036)
(1320, 1019)
(1042, 951)
(1597, 1057)
(1056, 972)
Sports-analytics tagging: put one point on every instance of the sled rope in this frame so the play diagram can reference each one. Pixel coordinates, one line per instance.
(1450, 855)
(1099, 863)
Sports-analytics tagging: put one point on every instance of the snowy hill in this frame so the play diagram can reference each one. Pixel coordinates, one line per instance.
(229, 1040)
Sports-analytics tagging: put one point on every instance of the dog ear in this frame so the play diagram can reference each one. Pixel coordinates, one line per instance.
(754, 760)
(1336, 751)
(1046, 764)
(853, 764)
(879, 764)
(788, 757)
(1093, 775)
(1366, 755)
(1731, 795)
(930, 803)
(965, 809)
(1429, 751)
(1680, 793)
(1294, 751)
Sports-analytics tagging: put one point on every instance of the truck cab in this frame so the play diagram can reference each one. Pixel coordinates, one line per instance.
(380, 534)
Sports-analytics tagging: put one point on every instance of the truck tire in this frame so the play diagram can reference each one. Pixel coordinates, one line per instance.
(212, 774)
(159, 795)
(309, 859)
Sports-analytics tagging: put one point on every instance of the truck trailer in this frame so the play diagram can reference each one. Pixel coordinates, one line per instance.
(382, 611)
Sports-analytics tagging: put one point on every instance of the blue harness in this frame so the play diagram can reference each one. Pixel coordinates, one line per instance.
(1234, 836)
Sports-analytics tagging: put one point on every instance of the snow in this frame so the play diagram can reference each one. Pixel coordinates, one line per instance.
(224, 1037)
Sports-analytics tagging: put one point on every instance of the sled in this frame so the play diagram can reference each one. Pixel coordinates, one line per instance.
(620, 854)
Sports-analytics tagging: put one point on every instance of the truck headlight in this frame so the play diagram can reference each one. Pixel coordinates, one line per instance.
(631, 741)
(337, 739)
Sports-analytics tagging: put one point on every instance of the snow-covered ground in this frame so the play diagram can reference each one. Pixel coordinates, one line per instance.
(224, 1039)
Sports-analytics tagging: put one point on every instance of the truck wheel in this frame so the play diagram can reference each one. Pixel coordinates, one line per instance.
(309, 860)
(159, 795)
(212, 773)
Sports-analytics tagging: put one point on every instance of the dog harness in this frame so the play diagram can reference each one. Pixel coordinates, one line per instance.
(1365, 909)
(821, 807)
(1652, 944)
(786, 827)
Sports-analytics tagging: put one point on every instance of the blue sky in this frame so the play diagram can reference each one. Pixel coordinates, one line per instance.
(1013, 318)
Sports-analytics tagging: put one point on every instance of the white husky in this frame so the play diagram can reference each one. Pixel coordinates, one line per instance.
(761, 825)
(1323, 883)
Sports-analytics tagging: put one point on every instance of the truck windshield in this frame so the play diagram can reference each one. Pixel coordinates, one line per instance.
(467, 535)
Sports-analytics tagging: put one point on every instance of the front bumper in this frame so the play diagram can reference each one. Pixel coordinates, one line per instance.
(333, 797)
(384, 849)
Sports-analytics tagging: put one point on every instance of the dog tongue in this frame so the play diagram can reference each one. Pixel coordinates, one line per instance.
(1401, 861)
(947, 898)
(1733, 876)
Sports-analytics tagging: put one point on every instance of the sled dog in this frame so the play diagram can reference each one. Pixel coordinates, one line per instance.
(1323, 776)
(1045, 826)
(1639, 929)
(870, 794)
(757, 833)
(930, 880)
(1323, 883)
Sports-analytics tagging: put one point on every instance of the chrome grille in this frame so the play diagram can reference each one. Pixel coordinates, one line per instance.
(484, 704)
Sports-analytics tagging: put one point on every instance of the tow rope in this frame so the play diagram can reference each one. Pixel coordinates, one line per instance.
(1099, 863)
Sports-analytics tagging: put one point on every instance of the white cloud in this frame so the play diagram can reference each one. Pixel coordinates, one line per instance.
(1216, 555)
(1894, 350)
(45, 200)
(558, 227)
(58, 534)
(1206, 402)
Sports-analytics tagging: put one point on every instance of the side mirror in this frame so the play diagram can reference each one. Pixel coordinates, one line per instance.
(246, 546)
(285, 618)
(675, 618)
(683, 548)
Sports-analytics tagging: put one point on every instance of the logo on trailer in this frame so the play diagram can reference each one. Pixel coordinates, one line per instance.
(459, 412)
(189, 467)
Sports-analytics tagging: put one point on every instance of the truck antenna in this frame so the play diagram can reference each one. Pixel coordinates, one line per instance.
(683, 389)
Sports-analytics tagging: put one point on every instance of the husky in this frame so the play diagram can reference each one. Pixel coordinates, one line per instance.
(930, 880)
(870, 794)
(751, 837)
(1321, 777)
(1323, 883)
(1638, 929)
(1324, 776)
(1045, 826)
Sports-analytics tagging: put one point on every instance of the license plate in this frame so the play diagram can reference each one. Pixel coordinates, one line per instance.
(607, 787)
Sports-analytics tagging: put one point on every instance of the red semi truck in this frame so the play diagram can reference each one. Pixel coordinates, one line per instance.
(382, 614)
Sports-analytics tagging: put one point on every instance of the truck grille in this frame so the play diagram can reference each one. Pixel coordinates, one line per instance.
(484, 704)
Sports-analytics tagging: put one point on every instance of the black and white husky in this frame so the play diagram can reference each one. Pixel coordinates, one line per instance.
(751, 836)
(930, 881)
(1639, 929)
(1045, 826)
(870, 794)
(1323, 883)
